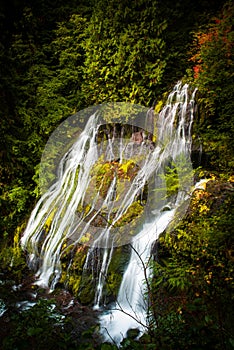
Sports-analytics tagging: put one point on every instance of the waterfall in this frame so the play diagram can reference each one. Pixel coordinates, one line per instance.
(131, 308)
(121, 178)
(174, 140)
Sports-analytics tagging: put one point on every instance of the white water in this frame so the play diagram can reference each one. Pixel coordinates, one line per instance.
(174, 139)
(71, 190)
(130, 310)
(58, 197)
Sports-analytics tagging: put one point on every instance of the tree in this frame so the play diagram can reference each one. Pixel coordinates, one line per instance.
(192, 281)
(213, 74)
(124, 52)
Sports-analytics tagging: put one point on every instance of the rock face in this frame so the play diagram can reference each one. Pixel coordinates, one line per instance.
(80, 276)
(137, 137)
(210, 196)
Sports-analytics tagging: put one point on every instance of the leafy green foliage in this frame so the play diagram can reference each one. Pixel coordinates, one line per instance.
(193, 283)
(57, 58)
(213, 74)
(124, 52)
(42, 326)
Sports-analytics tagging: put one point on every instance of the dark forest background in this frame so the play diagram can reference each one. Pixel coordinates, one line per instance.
(58, 57)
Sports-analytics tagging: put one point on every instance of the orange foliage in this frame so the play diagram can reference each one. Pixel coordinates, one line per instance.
(216, 37)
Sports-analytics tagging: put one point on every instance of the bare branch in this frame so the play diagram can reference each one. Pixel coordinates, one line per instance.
(145, 266)
(112, 339)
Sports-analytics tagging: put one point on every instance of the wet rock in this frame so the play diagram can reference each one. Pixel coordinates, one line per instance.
(133, 333)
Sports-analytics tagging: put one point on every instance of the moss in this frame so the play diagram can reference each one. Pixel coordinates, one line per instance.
(74, 258)
(49, 220)
(12, 258)
(86, 292)
(102, 176)
(83, 283)
(116, 269)
(104, 172)
(134, 212)
(127, 170)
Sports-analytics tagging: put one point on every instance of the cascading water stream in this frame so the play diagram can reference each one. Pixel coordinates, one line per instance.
(79, 207)
(57, 197)
(174, 140)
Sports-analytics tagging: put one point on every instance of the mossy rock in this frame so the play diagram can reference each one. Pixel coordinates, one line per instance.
(134, 211)
(104, 172)
(72, 261)
(86, 292)
(116, 270)
(97, 212)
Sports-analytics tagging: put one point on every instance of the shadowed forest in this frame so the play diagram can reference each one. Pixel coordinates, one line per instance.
(57, 58)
